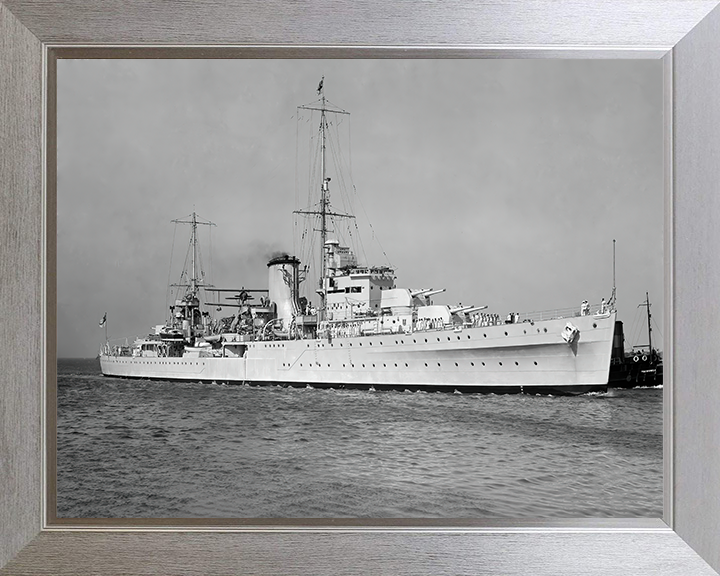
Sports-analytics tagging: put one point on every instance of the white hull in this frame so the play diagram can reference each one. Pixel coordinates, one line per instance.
(510, 357)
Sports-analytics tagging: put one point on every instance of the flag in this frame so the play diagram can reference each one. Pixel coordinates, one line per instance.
(103, 320)
(320, 85)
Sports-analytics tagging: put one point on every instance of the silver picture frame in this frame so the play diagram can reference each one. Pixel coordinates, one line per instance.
(685, 35)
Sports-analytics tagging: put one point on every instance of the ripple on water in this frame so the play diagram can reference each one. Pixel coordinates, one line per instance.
(160, 449)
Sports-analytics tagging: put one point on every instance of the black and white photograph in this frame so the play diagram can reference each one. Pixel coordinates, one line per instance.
(359, 288)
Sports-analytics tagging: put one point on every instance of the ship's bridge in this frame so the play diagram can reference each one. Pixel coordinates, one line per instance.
(353, 290)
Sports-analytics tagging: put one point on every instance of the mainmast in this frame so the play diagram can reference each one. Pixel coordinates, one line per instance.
(324, 209)
(325, 179)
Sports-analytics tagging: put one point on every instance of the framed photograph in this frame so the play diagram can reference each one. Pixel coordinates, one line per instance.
(326, 277)
(48, 55)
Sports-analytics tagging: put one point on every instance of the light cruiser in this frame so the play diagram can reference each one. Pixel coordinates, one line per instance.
(366, 332)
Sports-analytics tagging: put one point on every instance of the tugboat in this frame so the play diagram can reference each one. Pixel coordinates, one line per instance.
(362, 330)
(642, 365)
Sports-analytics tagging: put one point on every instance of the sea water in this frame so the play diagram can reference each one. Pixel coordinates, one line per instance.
(140, 449)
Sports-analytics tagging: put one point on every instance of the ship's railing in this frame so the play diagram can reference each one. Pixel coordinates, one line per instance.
(118, 346)
(559, 313)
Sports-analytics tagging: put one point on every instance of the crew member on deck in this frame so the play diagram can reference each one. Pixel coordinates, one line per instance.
(584, 308)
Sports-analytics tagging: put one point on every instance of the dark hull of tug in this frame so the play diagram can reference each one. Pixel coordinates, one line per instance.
(633, 376)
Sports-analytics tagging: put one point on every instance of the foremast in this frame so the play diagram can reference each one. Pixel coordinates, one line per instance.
(195, 282)
(324, 211)
(189, 317)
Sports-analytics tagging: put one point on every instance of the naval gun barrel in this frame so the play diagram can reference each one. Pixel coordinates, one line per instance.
(457, 309)
(431, 292)
(474, 309)
(421, 292)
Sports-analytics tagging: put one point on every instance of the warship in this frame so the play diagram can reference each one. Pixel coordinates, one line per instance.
(359, 329)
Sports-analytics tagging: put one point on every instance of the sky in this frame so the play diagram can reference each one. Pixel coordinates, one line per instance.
(503, 181)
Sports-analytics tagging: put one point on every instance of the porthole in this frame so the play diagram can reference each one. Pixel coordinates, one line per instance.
(505, 333)
(483, 363)
(371, 343)
(524, 331)
(425, 364)
(406, 365)
(363, 365)
(384, 365)
(458, 337)
(426, 340)
(414, 341)
(535, 363)
(373, 365)
(500, 363)
(484, 335)
(594, 325)
(343, 365)
(396, 365)
(438, 364)
(472, 363)
(438, 339)
(456, 363)
(516, 364)
(396, 341)
(448, 338)
(545, 330)
(468, 336)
